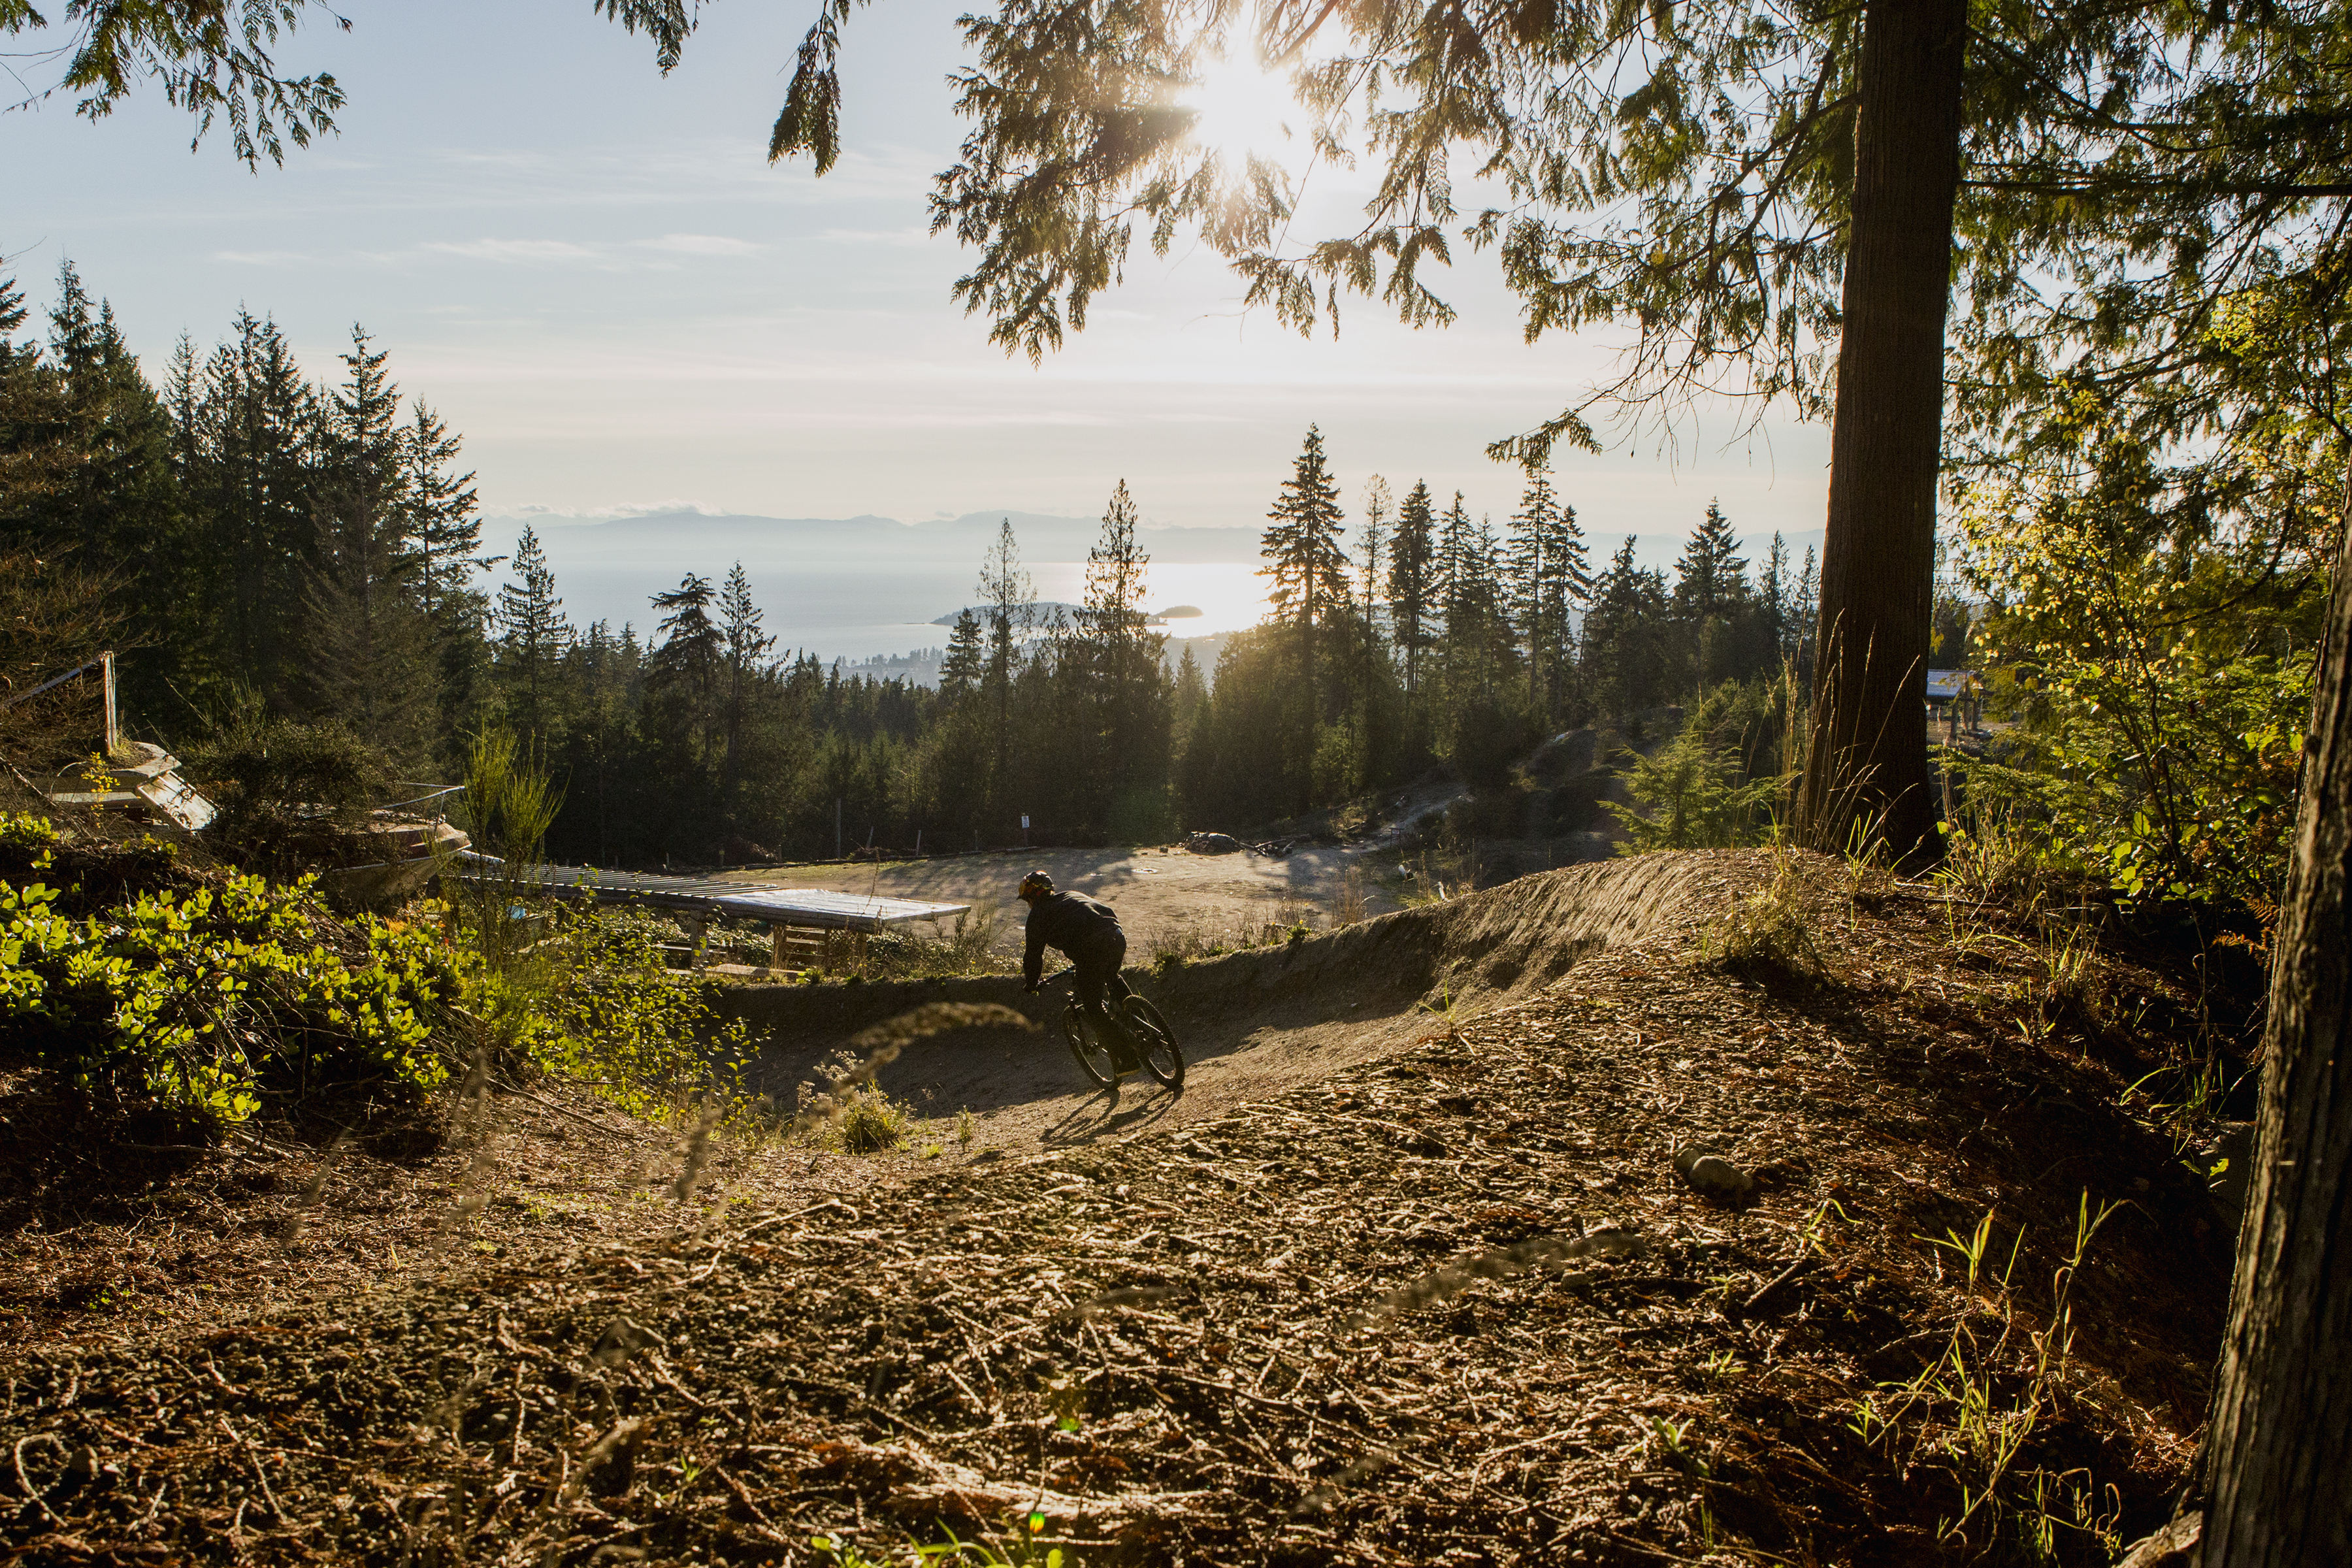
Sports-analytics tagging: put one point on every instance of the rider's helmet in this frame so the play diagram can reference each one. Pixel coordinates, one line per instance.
(1036, 885)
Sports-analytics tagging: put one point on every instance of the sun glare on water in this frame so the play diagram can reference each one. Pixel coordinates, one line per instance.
(1242, 109)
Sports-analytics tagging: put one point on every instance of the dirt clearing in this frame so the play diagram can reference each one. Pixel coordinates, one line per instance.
(1254, 1023)
(1160, 893)
(1448, 1303)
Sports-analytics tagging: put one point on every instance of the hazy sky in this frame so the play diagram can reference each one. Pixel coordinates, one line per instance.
(594, 274)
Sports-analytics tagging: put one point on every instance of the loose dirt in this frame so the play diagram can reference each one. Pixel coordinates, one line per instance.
(1162, 893)
(1253, 1023)
(1430, 1291)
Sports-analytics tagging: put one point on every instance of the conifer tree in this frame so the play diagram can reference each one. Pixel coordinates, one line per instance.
(1461, 575)
(532, 635)
(1190, 695)
(446, 533)
(1710, 575)
(1772, 590)
(1126, 652)
(182, 393)
(1711, 590)
(1413, 582)
(370, 645)
(744, 645)
(1551, 578)
(442, 511)
(108, 486)
(1009, 601)
(261, 426)
(1372, 546)
(684, 672)
(1625, 637)
(1304, 557)
(965, 667)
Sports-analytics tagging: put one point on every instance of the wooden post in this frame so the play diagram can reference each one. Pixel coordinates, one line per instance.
(113, 735)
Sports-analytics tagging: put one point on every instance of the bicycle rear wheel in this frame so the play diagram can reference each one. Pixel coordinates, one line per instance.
(1095, 1058)
(1155, 1042)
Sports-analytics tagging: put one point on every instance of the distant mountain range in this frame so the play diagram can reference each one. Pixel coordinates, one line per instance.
(1043, 610)
(694, 535)
(865, 586)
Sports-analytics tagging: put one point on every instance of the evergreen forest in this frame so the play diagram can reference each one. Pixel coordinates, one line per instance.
(302, 559)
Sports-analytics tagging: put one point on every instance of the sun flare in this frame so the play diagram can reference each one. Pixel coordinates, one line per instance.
(1242, 109)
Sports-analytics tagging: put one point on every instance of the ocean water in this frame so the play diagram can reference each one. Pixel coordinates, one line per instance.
(865, 588)
(869, 587)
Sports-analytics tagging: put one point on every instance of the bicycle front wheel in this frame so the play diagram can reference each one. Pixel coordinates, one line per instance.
(1095, 1058)
(1155, 1042)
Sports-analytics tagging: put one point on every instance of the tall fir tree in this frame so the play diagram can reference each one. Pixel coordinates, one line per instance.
(109, 488)
(446, 528)
(1625, 644)
(745, 645)
(532, 636)
(1551, 578)
(262, 426)
(1009, 601)
(1304, 557)
(1710, 575)
(1712, 598)
(370, 645)
(1412, 582)
(965, 667)
(1131, 678)
(442, 518)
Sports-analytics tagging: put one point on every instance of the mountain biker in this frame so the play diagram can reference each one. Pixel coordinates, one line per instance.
(1084, 930)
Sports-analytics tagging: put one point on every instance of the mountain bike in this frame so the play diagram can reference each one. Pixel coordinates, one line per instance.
(1150, 1042)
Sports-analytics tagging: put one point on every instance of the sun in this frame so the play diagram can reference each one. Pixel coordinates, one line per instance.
(1242, 109)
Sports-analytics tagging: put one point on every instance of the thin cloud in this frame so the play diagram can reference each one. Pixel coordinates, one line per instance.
(514, 250)
(261, 257)
(874, 235)
(608, 513)
(702, 245)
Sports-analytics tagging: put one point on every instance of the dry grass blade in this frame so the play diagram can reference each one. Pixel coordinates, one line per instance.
(894, 1033)
(844, 1095)
(1498, 1263)
(1112, 1301)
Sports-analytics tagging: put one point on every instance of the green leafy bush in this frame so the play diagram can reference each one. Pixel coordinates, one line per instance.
(594, 1001)
(292, 795)
(2159, 685)
(1690, 796)
(213, 999)
(229, 996)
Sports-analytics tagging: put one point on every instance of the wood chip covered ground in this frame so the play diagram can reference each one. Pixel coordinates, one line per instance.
(1451, 1304)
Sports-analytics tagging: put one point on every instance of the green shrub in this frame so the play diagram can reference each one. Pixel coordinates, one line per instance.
(2158, 671)
(595, 1001)
(870, 1121)
(1769, 935)
(1688, 796)
(214, 999)
(291, 793)
(23, 832)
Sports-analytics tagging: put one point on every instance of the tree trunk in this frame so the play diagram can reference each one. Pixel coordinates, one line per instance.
(2278, 1451)
(1868, 761)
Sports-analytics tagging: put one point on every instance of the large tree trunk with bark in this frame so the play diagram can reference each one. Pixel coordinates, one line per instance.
(2278, 1451)
(1868, 757)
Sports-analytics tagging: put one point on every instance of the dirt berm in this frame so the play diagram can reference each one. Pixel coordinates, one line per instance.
(1255, 1023)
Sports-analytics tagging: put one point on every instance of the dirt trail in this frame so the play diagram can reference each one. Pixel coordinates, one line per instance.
(1159, 892)
(1453, 1305)
(1255, 1024)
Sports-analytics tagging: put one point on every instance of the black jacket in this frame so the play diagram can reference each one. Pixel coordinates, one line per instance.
(1080, 927)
